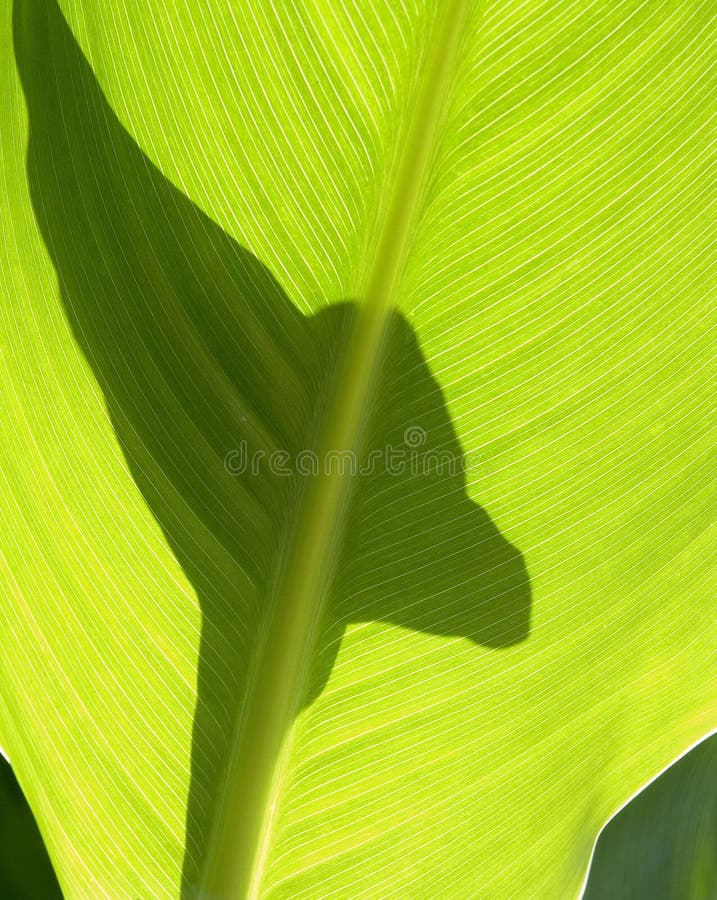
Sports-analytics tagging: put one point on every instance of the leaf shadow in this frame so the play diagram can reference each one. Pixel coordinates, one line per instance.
(207, 369)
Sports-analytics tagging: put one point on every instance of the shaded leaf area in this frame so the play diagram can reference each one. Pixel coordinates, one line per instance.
(25, 869)
(216, 385)
(663, 844)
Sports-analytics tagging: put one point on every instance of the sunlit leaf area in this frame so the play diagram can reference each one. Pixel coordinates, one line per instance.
(357, 460)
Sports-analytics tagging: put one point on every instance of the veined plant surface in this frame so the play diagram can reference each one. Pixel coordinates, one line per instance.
(469, 248)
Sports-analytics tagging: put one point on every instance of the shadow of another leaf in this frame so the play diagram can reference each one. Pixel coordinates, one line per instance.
(200, 354)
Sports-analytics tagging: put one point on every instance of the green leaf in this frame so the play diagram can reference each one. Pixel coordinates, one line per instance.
(663, 844)
(25, 870)
(467, 249)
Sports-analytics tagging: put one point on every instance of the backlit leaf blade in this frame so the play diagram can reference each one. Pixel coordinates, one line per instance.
(185, 276)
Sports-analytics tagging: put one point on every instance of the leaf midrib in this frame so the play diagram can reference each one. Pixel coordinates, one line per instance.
(246, 811)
